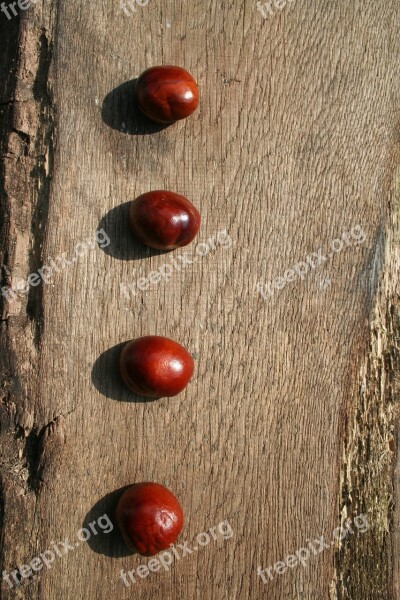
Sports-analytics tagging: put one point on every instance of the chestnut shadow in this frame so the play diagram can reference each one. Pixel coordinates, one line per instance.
(110, 544)
(107, 379)
(123, 244)
(121, 112)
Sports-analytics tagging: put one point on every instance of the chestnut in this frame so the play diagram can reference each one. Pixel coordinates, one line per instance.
(166, 93)
(149, 517)
(155, 366)
(163, 220)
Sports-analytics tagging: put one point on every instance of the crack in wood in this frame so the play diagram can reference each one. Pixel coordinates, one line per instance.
(41, 174)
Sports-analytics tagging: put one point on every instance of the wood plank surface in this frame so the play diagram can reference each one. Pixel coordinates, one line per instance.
(289, 428)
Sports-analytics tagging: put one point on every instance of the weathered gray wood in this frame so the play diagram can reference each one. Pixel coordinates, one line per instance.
(290, 425)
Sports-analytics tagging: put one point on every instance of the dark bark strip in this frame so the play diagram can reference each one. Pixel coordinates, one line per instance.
(365, 562)
(9, 33)
(27, 128)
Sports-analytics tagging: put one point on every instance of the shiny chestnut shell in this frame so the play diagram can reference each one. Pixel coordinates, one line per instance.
(163, 220)
(155, 366)
(149, 517)
(166, 93)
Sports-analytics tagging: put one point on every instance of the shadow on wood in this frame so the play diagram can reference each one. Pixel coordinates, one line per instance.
(110, 544)
(123, 244)
(120, 111)
(107, 379)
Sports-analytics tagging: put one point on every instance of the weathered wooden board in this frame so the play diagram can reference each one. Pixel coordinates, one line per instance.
(289, 428)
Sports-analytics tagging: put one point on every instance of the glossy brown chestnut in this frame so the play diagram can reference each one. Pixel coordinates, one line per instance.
(155, 366)
(149, 517)
(163, 220)
(166, 93)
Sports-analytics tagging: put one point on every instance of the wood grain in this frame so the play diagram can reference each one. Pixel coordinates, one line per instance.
(290, 425)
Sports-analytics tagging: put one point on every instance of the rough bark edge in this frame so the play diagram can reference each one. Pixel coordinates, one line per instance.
(365, 563)
(27, 133)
